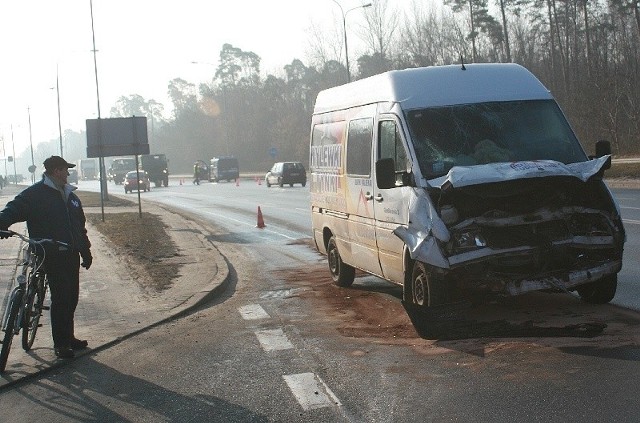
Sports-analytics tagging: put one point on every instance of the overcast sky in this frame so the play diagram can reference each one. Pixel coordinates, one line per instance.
(142, 45)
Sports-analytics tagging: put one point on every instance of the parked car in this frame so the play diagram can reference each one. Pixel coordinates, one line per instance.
(131, 181)
(286, 173)
(73, 176)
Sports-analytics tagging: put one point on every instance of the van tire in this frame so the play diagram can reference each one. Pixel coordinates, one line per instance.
(341, 273)
(599, 292)
(426, 289)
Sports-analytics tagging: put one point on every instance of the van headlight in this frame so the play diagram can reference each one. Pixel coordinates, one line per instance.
(468, 240)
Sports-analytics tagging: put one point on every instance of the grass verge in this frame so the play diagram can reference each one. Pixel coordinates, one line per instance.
(141, 240)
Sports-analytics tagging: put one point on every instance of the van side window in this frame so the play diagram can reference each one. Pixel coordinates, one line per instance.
(359, 139)
(390, 145)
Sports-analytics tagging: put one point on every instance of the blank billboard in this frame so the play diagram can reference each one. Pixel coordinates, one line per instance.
(117, 137)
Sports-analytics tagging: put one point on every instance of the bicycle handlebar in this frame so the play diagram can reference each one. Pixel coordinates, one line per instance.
(42, 241)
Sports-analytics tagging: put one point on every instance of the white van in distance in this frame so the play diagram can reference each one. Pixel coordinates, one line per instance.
(460, 181)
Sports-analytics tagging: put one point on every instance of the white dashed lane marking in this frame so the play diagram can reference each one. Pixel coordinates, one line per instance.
(308, 388)
(310, 391)
(253, 312)
(273, 339)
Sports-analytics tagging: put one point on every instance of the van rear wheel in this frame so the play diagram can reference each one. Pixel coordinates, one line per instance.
(427, 290)
(341, 273)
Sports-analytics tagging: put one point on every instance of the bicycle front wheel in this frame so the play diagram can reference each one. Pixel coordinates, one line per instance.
(10, 328)
(33, 311)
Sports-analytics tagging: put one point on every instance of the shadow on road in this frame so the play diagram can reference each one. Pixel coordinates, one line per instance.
(95, 392)
(452, 322)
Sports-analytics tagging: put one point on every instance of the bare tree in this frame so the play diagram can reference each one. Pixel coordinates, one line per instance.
(377, 32)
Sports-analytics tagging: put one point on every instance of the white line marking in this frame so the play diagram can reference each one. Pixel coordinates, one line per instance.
(253, 312)
(634, 222)
(274, 339)
(310, 391)
(630, 208)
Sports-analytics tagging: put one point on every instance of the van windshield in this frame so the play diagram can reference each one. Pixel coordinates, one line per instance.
(481, 133)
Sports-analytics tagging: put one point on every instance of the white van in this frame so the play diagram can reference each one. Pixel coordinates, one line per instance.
(460, 181)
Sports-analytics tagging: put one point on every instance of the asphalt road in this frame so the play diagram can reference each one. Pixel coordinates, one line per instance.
(283, 344)
(287, 216)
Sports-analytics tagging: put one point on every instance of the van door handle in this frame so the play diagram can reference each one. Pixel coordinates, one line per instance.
(379, 198)
(368, 196)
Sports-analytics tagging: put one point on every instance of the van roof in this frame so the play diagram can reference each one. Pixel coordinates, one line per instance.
(437, 86)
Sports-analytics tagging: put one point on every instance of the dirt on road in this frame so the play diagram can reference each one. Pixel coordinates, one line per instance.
(372, 310)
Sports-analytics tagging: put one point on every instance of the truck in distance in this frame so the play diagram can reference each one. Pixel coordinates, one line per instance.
(157, 167)
(119, 168)
(88, 169)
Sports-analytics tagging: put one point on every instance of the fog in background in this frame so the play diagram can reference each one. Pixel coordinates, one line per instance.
(586, 53)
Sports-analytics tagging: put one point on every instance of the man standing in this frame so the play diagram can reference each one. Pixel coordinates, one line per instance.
(53, 211)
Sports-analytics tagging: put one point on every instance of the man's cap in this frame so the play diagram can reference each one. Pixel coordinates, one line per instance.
(56, 162)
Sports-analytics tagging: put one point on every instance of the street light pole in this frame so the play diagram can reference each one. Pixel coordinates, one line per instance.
(344, 31)
(32, 167)
(59, 122)
(13, 146)
(103, 179)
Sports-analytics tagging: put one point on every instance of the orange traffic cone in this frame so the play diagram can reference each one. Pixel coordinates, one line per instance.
(260, 219)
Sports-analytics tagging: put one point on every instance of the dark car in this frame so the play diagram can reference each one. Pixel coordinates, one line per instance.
(73, 176)
(286, 173)
(131, 182)
(222, 168)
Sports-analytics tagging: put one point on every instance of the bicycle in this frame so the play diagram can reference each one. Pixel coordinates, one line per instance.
(26, 302)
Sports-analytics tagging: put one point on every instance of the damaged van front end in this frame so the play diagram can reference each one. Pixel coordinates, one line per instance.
(512, 228)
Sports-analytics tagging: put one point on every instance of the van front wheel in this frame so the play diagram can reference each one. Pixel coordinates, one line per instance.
(599, 292)
(341, 273)
(427, 290)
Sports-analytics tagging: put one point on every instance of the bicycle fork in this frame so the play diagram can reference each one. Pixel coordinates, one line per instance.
(17, 297)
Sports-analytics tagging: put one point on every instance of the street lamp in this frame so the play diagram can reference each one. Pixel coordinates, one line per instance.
(344, 30)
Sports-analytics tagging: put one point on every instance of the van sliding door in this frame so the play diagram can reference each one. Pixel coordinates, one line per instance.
(359, 195)
(391, 205)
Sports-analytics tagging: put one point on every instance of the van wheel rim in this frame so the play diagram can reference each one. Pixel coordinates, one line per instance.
(334, 262)
(420, 290)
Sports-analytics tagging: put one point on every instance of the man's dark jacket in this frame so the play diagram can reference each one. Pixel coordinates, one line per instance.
(47, 215)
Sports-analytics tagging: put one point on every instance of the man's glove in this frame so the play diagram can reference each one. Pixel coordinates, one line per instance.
(87, 259)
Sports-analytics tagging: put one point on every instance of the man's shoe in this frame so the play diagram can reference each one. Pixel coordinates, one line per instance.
(78, 344)
(64, 352)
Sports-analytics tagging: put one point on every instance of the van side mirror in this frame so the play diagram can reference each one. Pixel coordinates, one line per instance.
(603, 148)
(386, 173)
